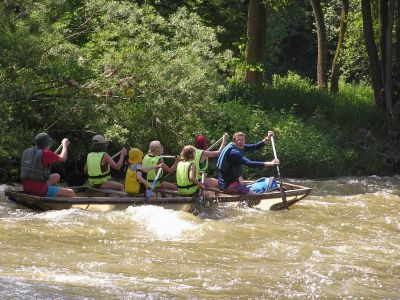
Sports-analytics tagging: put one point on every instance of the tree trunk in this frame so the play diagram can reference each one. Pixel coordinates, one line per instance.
(383, 21)
(335, 63)
(376, 74)
(396, 71)
(392, 114)
(322, 44)
(256, 36)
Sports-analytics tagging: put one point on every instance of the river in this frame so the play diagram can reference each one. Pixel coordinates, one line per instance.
(342, 241)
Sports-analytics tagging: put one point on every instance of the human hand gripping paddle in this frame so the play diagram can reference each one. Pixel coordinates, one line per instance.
(59, 149)
(217, 142)
(149, 192)
(283, 195)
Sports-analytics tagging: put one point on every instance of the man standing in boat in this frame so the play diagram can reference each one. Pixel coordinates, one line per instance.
(231, 160)
(35, 169)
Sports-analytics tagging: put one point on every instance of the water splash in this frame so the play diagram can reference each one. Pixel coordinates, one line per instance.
(165, 224)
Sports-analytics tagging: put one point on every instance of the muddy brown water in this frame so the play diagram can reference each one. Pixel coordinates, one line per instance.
(342, 241)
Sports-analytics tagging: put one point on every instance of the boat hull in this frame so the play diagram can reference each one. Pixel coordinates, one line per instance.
(105, 200)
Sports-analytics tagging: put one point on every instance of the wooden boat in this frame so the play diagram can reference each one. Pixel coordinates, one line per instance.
(104, 200)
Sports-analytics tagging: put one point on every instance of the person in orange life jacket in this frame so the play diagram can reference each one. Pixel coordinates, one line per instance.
(35, 169)
(231, 160)
(152, 158)
(202, 155)
(134, 181)
(98, 165)
(186, 172)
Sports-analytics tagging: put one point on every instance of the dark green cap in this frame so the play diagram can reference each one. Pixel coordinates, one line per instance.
(42, 140)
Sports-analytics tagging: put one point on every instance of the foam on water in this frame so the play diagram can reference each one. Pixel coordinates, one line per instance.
(165, 224)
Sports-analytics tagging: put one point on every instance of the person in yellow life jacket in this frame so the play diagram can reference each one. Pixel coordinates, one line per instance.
(134, 181)
(186, 178)
(203, 154)
(152, 158)
(99, 163)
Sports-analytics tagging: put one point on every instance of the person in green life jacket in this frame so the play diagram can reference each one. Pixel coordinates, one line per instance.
(186, 172)
(202, 155)
(99, 163)
(153, 158)
(36, 163)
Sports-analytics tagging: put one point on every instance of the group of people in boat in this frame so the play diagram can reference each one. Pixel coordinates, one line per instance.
(145, 172)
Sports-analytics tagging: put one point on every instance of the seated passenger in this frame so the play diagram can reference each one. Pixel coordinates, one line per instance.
(35, 169)
(202, 156)
(230, 163)
(186, 179)
(98, 165)
(134, 181)
(153, 158)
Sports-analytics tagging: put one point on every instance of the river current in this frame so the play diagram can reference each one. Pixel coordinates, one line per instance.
(341, 242)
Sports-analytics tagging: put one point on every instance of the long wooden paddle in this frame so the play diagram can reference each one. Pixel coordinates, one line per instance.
(200, 203)
(153, 185)
(217, 142)
(58, 149)
(283, 195)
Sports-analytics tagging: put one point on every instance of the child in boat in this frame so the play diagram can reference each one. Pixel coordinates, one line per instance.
(153, 158)
(186, 178)
(203, 154)
(98, 165)
(134, 181)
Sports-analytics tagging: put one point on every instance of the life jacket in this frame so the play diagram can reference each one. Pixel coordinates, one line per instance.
(96, 176)
(151, 161)
(185, 186)
(32, 167)
(132, 184)
(229, 172)
(200, 166)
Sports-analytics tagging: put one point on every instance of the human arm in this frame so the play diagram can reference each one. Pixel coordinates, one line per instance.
(143, 181)
(237, 157)
(272, 163)
(260, 144)
(116, 166)
(211, 154)
(268, 137)
(171, 169)
(64, 152)
(192, 177)
(139, 167)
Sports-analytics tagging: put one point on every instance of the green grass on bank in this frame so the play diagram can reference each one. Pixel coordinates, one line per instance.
(319, 134)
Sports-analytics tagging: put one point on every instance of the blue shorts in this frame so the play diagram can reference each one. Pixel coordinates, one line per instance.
(52, 191)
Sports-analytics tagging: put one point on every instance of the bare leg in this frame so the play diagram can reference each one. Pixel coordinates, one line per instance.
(168, 186)
(212, 182)
(64, 192)
(53, 179)
(113, 185)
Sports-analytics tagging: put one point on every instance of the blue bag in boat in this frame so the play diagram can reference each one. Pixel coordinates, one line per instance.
(263, 185)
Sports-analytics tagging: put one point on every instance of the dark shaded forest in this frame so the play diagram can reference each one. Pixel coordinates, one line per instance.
(323, 75)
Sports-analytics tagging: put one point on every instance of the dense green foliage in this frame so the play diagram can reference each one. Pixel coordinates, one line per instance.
(136, 71)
